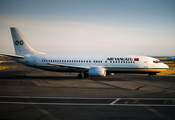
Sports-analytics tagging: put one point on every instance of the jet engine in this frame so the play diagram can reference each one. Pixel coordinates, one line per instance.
(97, 72)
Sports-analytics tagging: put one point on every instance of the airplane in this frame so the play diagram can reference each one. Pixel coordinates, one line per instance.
(85, 65)
(171, 58)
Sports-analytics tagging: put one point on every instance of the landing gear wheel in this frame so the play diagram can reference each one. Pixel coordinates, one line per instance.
(86, 75)
(149, 77)
(80, 76)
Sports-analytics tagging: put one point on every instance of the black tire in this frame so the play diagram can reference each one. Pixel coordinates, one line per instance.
(80, 76)
(86, 75)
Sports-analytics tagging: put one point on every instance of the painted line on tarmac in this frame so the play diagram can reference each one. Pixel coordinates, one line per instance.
(80, 104)
(88, 98)
(57, 97)
(115, 101)
(87, 101)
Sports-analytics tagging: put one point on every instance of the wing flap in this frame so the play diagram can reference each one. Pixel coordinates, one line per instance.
(68, 66)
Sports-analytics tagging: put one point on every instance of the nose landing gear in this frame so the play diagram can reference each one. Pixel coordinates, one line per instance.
(149, 77)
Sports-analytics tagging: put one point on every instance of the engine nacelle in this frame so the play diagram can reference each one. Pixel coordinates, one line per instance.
(97, 72)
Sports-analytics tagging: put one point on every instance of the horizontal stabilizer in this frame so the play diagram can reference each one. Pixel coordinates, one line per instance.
(10, 55)
(68, 66)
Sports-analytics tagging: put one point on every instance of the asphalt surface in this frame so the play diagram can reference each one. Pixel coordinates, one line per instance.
(29, 93)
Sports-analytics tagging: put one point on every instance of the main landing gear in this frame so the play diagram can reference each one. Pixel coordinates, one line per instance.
(80, 75)
(85, 75)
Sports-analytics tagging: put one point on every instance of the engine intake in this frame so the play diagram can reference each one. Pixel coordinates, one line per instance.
(97, 72)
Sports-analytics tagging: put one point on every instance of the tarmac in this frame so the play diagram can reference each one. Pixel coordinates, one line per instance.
(30, 93)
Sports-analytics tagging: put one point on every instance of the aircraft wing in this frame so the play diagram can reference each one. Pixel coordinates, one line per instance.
(10, 55)
(68, 66)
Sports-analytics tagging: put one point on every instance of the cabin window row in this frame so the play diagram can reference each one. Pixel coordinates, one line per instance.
(87, 61)
(122, 61)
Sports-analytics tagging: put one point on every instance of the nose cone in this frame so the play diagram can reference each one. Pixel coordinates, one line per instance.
(165, 66)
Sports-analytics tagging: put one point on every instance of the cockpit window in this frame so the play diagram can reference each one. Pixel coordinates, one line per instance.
(156, 61)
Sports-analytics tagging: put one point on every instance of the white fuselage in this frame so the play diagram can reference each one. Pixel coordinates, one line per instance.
(111, 63)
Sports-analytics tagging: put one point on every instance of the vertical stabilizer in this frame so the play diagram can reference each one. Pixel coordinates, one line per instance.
(21, 45)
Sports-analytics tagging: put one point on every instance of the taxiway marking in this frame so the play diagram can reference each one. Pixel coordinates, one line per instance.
(115, 101)
(24, 100)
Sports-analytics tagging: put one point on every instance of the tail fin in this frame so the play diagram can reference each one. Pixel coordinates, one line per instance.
(21, 45)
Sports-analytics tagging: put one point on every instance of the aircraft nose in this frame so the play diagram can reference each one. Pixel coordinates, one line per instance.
(165, 66)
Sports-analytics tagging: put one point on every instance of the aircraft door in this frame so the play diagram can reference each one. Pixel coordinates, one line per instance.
(34, 61)
(145, 64)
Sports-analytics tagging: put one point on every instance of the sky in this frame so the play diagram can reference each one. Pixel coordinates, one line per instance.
(129, 27)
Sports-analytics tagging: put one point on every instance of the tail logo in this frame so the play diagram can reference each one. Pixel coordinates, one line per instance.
(17, 42)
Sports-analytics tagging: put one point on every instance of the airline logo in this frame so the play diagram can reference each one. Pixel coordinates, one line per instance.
(122, 59)
(17, 42)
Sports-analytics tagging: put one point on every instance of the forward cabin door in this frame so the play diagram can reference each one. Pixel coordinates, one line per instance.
(145, 64)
